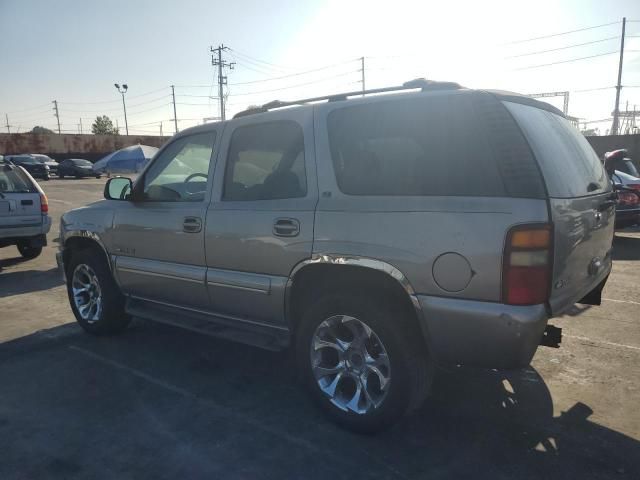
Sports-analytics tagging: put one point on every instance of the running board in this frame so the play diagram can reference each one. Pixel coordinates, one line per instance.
(260, 335)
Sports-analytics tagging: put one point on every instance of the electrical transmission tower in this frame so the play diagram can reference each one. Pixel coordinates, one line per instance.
(565, 95)
(217, 60)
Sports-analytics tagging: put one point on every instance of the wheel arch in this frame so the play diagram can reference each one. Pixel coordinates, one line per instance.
(76, 240)
(332, 271)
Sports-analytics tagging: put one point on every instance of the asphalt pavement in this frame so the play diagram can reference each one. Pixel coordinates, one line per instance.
(159, 402)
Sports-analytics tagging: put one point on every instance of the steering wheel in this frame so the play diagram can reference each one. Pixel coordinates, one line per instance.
(194, 175)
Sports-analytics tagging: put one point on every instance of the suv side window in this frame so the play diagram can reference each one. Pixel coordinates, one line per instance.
(181, 171)
(423, 146)
(266, 162)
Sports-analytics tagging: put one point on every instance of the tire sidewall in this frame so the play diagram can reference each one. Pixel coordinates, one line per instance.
(380, 318)
(112, 315)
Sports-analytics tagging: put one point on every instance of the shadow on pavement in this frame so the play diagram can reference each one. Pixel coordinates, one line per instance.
(158, 402)
(626, 248)
(25, 281)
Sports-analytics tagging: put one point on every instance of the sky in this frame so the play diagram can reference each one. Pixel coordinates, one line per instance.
(73, 51)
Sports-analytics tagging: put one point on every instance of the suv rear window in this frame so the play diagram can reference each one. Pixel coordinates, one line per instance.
(424, 146)
(569, 165)
(13, 181)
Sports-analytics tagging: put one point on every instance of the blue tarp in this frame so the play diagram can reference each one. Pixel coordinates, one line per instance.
(126, 160)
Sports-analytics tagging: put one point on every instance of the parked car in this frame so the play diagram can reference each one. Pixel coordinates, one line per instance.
(76, 167)
(48, 161)
(620, 161)
(344, 230)
(24, 218)
(628, 202)
(31, 165)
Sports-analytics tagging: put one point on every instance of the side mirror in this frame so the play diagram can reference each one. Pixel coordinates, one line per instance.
(118, 188)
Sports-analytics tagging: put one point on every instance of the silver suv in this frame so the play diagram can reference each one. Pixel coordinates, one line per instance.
(377, 235)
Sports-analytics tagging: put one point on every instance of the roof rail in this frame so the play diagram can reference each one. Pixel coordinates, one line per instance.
(418, 83)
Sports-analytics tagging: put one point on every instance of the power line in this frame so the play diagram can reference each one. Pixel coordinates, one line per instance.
(114, 101)
(592, 89)
(561, 33)
(257, 60)
(298, 84)
(562, 48)
(295, 74)
(564, 61)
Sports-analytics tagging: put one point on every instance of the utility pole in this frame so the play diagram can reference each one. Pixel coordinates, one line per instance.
(57, 114)
(8, 126)
(175, 117)
(80, 126)
(222, 80)
(616, 110)
(362, 72)
(122, 91)
(161, 130)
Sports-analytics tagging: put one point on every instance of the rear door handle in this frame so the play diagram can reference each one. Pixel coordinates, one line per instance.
(286, 227)
(192, 224)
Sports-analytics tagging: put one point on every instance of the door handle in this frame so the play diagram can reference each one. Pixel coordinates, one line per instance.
(192, 224)
(286, 227)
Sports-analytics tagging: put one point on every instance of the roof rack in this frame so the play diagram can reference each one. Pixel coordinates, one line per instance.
(418, 83)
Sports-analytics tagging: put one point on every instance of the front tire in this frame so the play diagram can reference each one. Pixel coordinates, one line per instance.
(362, 361)
(95, 299)
(27, 251)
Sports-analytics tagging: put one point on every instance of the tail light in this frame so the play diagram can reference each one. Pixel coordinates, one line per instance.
(634, 186)
(44, 204)
(527, 264)
(628, 198)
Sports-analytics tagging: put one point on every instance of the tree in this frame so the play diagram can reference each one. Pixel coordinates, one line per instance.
(103, 126)
(39, 129)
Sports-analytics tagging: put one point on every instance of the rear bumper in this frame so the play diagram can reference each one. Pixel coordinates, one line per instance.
(26, 231)
(482, 334)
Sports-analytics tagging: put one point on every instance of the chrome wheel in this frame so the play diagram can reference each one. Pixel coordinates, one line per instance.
(350, 364)
(87, 295)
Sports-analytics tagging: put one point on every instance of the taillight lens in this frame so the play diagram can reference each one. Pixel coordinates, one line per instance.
(526, 275)
(628, 198)
(44, 204)
(634, 186)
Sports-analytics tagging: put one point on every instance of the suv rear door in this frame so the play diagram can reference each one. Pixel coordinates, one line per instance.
(19, 203)
(580, 197)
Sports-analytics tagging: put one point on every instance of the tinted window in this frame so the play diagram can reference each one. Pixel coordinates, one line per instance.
(181, 171)
(626, 166)
(569, 165)
(266, 162)
(424, 146)
(82, 162)
(12, 181)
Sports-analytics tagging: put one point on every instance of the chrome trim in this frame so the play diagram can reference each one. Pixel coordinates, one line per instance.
(356, 261)
(364, 262)
(238, 287)
(210, 314)
(156, 274)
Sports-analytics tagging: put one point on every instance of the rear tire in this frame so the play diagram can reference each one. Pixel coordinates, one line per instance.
(27, 251)
(94, 296)
(404, 374)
